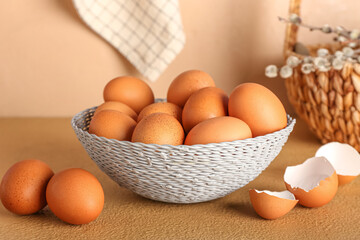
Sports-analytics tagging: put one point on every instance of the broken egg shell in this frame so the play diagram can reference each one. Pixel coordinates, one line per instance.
(342, 180)
(344, 158)
(314, 182)
(272, 205)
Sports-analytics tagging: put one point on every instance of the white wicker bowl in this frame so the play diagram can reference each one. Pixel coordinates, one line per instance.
(181, 174)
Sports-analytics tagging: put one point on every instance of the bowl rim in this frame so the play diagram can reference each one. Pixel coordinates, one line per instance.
(248, 141)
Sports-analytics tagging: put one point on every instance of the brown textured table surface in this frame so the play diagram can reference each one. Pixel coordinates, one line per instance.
(129, 216)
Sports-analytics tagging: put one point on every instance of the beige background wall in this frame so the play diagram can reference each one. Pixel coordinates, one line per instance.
(51, 64)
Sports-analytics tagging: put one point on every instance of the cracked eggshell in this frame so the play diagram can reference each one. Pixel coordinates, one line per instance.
(344, 158)
(272, 205)
(314, 182)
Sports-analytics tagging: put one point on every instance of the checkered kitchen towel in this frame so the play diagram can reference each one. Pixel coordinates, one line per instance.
(149, 33)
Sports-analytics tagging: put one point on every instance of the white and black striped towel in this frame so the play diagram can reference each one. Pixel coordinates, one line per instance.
(149, 33)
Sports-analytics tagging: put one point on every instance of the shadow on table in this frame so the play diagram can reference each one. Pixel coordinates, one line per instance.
(243, 208)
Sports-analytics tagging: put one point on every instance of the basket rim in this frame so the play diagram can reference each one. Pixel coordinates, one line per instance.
(290, 125)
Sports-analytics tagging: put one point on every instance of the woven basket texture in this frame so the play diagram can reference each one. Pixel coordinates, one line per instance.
(329, 102)
(181, 174)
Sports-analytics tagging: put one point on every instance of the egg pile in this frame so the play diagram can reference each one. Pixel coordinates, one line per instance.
(196, 112)
(312, 184)
(73, 195)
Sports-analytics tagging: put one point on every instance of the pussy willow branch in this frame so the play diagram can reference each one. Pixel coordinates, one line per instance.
(340, 30)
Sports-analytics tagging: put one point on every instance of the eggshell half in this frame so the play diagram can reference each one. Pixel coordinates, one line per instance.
(272, 205)
(314, 182)
(344, 158)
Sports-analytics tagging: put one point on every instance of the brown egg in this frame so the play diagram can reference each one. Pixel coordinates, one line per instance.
(129, 90)
(112, 124)
(260, 108)
(75, 196)
(23, 186)
(164, 107)
(187, 83)
(117, 106)
(159, 128)
(203, 104)
(218, 129)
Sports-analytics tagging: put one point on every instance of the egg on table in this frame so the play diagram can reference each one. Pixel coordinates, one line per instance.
(75, 196)
(23, 186)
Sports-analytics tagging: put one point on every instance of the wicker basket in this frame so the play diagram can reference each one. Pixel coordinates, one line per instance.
(329, 102)
(181, 174)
